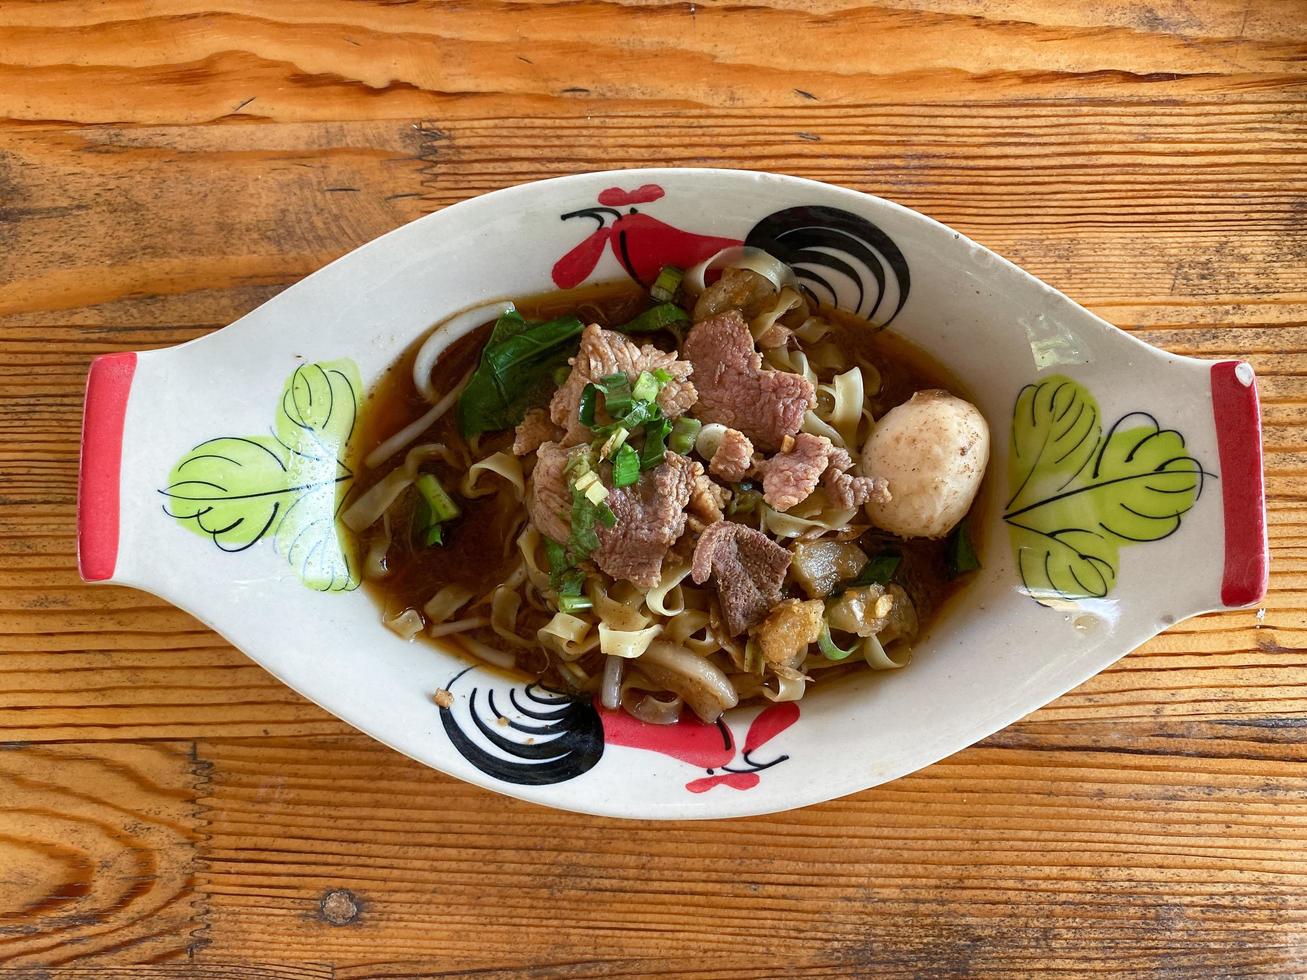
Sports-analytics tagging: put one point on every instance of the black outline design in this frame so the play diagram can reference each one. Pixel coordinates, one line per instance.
(295, 406)
(576, 747)
(809, 238)
(1098, 444)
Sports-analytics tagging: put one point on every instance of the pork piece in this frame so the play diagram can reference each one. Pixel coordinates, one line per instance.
(549, 498)
(650, 517)
(737, 289)
(734, 457)
(746, 566)
(788, 478)
(734, 389)
(535, 429)
(706, 497)
(847, 490)
(789, 629)
(605, 352)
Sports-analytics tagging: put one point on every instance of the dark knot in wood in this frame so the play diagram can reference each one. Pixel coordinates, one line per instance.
(339, 907)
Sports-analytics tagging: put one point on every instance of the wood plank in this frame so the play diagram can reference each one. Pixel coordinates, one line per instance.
(1130, 209)
(196, 61)
(97, 853)
(1022, 838)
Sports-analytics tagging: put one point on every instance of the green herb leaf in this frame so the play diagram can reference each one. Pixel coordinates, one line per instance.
(646, 387)
(586, 411)
(509, 325)
(574, 603)
(961, 551)
(617, 395)
(828, 647)
(626, 466)
(668, 282)
(684, 432)
(516, 373)
(664, 316)
(655, 443)
(878, 571)
(426, 529)
(441, 504)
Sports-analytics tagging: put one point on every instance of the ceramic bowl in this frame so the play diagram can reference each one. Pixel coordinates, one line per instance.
(1125, 490)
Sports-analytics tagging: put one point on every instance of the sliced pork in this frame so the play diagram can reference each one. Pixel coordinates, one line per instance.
(746, 567)
(550, 498)
(788, 478)
(734, 457)
(848, 490)
(606, 352)
(650, 517)
(733, 388)
(536, 428)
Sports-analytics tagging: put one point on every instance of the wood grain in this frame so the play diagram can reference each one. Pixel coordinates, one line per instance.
(169, 810)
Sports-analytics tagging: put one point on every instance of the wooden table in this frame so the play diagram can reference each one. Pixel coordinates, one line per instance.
(167, 809)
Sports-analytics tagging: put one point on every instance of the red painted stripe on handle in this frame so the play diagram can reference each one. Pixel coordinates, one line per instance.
(1239, 442)
(107, 387)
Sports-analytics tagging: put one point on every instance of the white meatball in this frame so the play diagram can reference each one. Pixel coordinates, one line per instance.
(933, 450)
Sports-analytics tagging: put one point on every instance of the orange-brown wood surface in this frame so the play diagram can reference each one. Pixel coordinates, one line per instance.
(167, 809)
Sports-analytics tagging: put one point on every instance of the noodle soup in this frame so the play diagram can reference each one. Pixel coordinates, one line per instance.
(671, 501)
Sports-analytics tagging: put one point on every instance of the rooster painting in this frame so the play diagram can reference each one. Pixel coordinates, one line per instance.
(541, 737)
(840, 258)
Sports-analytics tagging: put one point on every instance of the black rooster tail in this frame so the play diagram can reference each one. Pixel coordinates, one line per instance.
(841, 258)
(560, 738)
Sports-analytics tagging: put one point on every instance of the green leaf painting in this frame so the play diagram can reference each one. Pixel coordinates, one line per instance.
(290, 485)
(1080, 495)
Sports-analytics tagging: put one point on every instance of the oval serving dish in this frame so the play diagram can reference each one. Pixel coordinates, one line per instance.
(1124, 491)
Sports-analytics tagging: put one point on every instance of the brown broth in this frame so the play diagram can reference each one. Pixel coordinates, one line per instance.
(478, 547)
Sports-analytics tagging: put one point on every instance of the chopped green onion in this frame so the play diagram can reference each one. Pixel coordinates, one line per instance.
(661, 376)
(574, 603)
(829, 649)
(561, 374)
(596, 493)
(606, 516)
(583, 539)
(558, 563)
(655, 445)
(664, 316)
(571, 583)
(609, 447)
(877, 571)
(626, 466)
(426, 531)
(442, 505)
(668, 282)
(684, 432)
(961, 550)
(646, 387)
(589, 395)
(617, 395)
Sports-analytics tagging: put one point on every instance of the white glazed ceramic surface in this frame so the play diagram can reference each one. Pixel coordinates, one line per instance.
(995, 655)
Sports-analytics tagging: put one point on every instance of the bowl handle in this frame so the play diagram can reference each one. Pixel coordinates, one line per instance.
(1239, 445)
(107, 387)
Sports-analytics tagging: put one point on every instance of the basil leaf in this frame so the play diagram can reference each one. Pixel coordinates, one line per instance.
(877, 571)
(961, 551)
(516, 373)
(664, 316)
